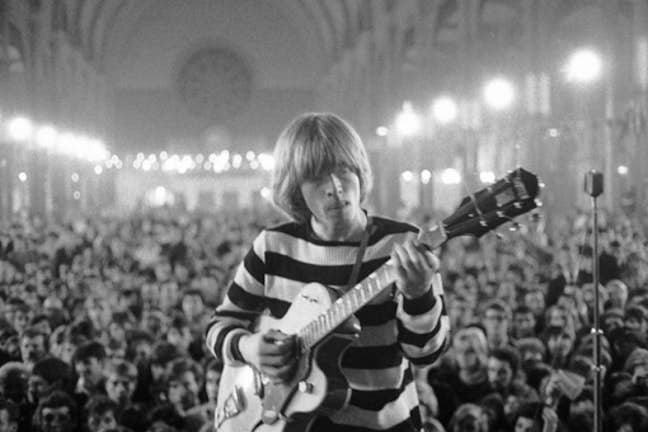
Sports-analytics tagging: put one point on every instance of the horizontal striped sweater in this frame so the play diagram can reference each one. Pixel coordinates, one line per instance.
(395, 330)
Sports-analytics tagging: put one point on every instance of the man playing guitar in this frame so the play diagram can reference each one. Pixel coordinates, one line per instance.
(321, 179)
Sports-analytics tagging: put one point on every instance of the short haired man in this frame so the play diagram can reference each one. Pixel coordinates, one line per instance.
(55, 413)
(101, 414)
(33, 346)
(88, 361)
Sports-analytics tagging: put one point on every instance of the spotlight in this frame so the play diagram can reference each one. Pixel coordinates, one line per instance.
(499, 94)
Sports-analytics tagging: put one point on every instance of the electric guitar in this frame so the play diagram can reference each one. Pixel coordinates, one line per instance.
(325, 326)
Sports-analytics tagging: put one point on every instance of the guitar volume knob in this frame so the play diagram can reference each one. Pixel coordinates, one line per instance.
(305, 387)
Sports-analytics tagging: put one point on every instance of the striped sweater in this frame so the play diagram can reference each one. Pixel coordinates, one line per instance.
(395, 330)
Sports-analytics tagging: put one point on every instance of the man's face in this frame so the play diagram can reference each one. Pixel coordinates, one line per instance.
(5, 424)
(90, 370)
(56, 419)
(461, 314)
(184, 391)
(20, 320)
(496, 324)
(559, 344)
(120, 388)
(334, 198)
(524, 324)
(192, 305)
(636, 324)
(466, 356)
(102, 423)
(32, 349)
(37, 387)
(11, 346)
(500, 373)
(534, 300)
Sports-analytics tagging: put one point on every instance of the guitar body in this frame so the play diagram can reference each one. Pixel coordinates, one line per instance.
(248, 401)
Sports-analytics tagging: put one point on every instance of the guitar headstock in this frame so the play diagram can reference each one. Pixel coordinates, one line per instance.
(488, 208)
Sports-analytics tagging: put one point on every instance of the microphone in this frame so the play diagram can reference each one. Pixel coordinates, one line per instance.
(594, 183)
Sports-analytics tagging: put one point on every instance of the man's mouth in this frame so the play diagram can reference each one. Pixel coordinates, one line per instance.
(339, 206)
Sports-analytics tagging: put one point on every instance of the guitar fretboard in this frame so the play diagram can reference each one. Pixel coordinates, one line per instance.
(348, 304)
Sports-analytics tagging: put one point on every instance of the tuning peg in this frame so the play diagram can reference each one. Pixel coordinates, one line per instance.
(541, 185)
(514, 226)
(538, 202)
(499, 236)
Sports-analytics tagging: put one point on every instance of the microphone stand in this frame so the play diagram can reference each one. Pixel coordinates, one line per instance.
(594, 188)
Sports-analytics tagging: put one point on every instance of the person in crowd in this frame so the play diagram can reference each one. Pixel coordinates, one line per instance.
(9, 415)
(179, 333)
(121, 381)
(461, 311)
(497, 319)
(636, 319)
(611, 319)
(9, 344)
(627, 417)
(57, 412)
(33, 346)
(504, 374)
(48, 374)
(183, 381)
(13, 387)
(19, 314)
(164, 353)
(617, 292)
(524, 323)
(101, 413)
(534, 417)
(469, 418)
(466, 380)
(205, 411)
(560, 345)
(89, 360)
(321, 179)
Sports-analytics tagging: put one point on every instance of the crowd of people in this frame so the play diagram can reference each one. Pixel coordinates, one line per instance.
(103, 324)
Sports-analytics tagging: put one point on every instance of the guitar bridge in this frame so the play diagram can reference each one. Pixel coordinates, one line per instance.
(233, 406)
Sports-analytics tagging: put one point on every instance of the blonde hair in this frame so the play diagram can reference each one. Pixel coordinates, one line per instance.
(313, 145)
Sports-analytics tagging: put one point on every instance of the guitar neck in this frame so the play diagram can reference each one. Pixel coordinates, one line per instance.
(348, 304)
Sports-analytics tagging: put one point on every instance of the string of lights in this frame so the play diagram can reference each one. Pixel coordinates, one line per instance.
(21, 129)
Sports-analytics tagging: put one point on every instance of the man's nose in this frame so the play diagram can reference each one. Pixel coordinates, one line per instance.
(335, 186)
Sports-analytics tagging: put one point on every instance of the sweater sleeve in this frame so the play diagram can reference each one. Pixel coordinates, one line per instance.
(423, 325)
(241, 306)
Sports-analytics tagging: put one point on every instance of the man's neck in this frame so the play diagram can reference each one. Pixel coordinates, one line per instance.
(350, 232)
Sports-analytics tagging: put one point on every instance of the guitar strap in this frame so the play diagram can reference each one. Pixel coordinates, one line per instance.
(361, 250)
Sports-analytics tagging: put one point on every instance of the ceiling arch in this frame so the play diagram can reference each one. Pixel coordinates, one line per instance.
(102, 27)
